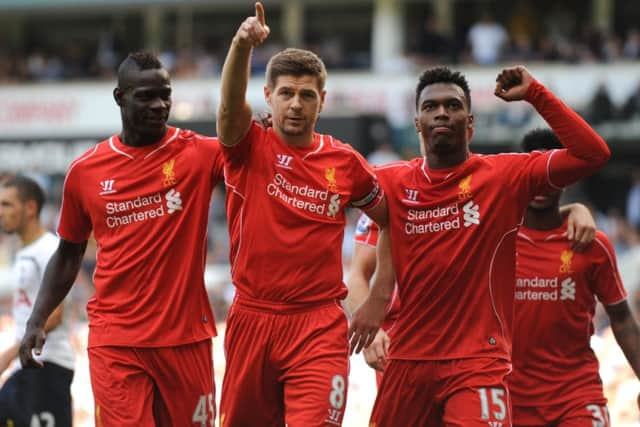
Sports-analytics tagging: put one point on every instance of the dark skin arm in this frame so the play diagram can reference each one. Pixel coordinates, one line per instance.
(59, 276)
(12, 352)
(581, 227)
(627, 334)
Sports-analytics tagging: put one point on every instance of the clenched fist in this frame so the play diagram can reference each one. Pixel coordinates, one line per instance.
(512, 83)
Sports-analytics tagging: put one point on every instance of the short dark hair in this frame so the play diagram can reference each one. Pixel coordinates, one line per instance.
(443, 75)
(28, 189)
(295, 62)
(540, 139)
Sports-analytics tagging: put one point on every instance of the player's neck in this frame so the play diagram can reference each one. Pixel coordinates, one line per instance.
(31, 232)
(446, 161)
(543, 219)
(301, 141)
(135, 139)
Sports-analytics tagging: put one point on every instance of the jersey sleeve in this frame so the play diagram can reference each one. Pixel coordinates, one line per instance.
(584, 153)
(236, 156)
(540, 172)
(366, 231)
(607, 284)
(75, 223)
(366, 192)
(217, 162)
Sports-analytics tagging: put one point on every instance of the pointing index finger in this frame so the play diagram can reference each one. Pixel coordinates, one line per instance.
(260, 13)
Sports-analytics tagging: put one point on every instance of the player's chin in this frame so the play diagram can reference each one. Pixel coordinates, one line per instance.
(294, 130)
(154, 129)
(542, 205)
(442, 145)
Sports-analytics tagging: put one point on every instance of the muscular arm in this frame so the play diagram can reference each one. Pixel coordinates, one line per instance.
(363, 264)
(627, 333)
(59, 276)
(234, 113)
(7, 356)
(384, 275)
(369, 316)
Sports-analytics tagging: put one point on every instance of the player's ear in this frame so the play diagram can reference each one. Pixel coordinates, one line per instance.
(470, 127)
(31, 206)
(267, 94)
(323, 94)
(416, 124)
(117, 96)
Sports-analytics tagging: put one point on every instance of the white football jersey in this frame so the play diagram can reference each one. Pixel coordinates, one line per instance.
(29, 268)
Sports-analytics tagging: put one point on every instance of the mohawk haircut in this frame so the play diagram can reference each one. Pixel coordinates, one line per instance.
(145, 60)
(136, 61)
(28, 189)
(540, 139)
(443, 75)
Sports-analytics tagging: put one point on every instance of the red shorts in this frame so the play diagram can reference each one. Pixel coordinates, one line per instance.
(287, 357)
(463, 392)
(163, 386)
(567, 414)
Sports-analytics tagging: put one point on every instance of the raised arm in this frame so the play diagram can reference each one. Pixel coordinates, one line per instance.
(234, 113)
(58, 278)
(585, 150)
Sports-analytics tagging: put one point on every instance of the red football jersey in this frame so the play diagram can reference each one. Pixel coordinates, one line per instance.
(555, 302)
(148, 209)
(367, 234)
(286, 209)
(453, 234)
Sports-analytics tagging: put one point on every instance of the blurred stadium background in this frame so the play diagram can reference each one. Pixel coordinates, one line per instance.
(57, 72)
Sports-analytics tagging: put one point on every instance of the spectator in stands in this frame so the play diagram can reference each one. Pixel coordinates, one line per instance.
(383, 152)
(631, 48)
(487, 38)
(601, 108)
(632, 106)
(433, 45)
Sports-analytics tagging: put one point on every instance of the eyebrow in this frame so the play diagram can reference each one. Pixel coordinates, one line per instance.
(442, 100)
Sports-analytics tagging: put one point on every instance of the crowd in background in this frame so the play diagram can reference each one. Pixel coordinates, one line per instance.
(560, 38)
